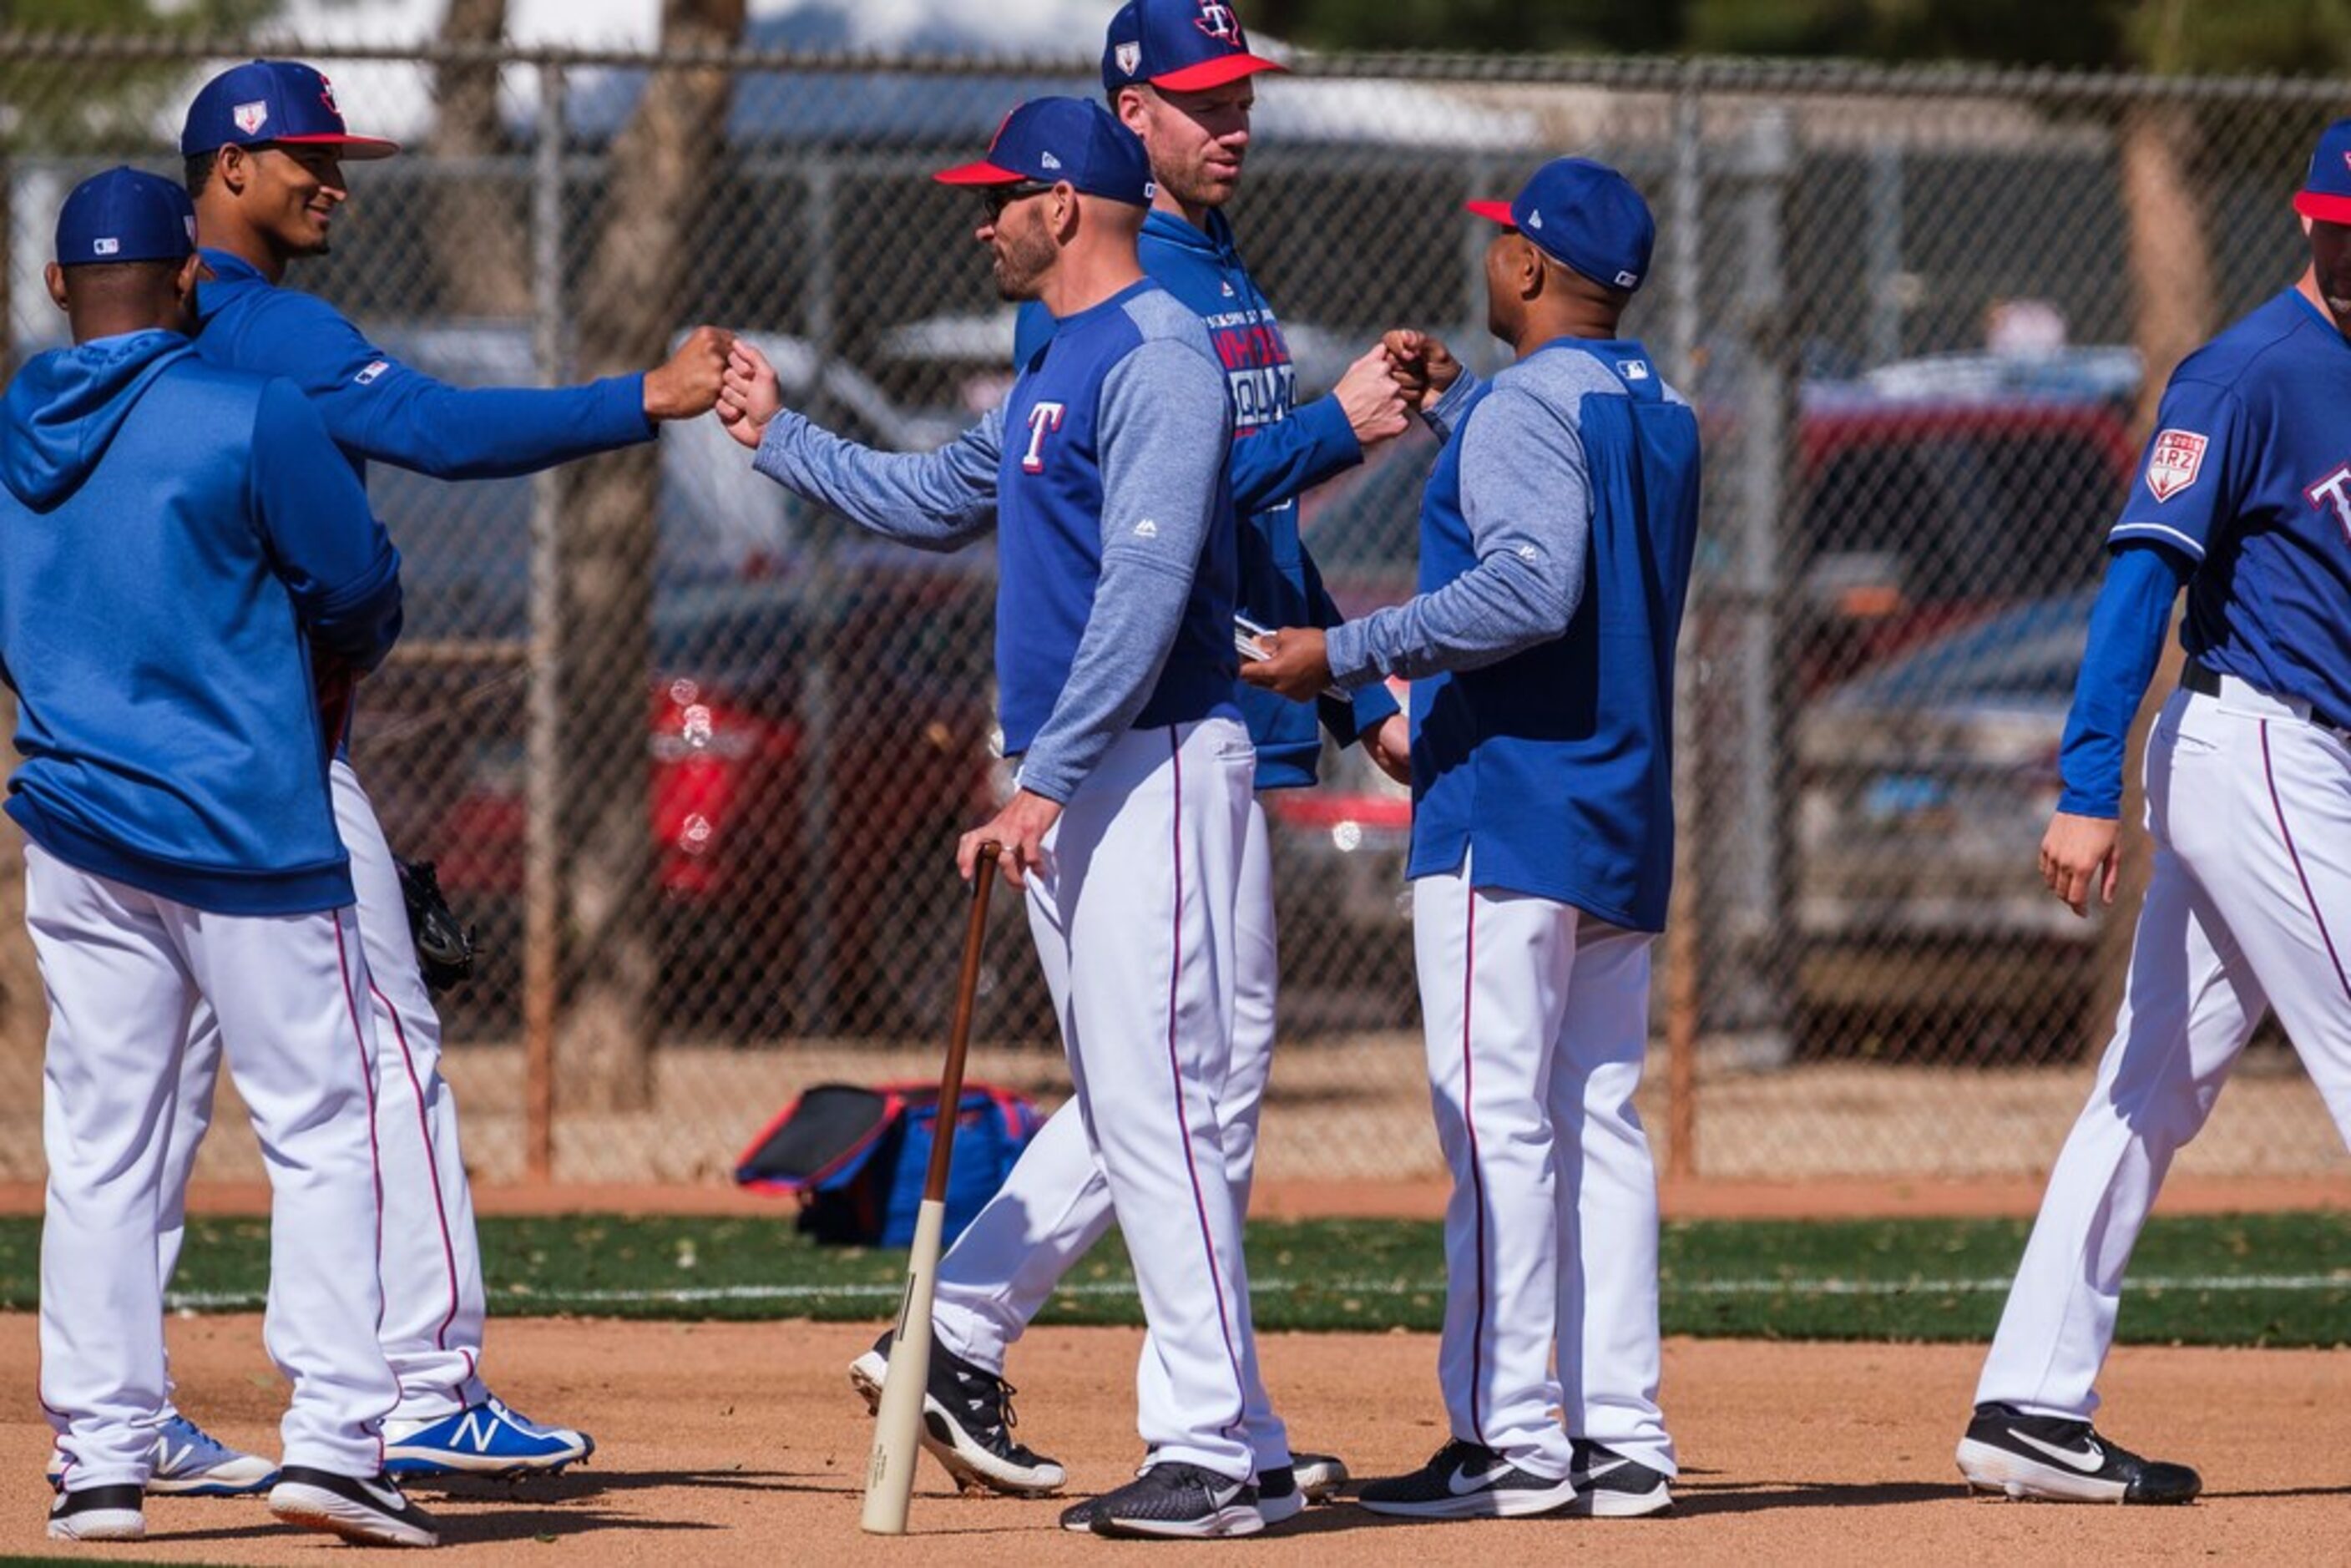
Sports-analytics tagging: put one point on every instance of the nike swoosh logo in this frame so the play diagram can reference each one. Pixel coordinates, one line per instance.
(1461, 1482)
(392, 1501)
(2089, 1462)
(1596, 1471)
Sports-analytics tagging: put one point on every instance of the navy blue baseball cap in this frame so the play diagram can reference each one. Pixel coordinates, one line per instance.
(1586, 216)
(1181, 45)
(281, 102)
(2325, 193)
(1048, 140)
(126, 214)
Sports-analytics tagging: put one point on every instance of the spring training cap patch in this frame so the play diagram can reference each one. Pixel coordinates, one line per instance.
(1048, 140)
(281, 102)
(2173, 462)
(1185, 45)
(1584, 216)
(126, 214)
(2325, 193)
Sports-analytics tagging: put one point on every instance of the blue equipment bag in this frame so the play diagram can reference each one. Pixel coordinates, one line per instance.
(856, 1156)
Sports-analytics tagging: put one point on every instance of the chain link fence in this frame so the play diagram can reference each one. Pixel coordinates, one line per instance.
(694, 755)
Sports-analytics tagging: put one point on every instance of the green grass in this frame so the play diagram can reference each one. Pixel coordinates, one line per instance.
(2272, 1279)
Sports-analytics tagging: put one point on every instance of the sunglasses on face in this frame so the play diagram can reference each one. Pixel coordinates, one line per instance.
(994, 199)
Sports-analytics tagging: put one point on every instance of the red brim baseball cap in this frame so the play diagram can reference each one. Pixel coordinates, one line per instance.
(273, 102)
(1057, 140)
(1184, 46)
(2325, 193)
(1585, 215)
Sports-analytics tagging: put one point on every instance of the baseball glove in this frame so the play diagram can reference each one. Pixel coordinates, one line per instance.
(445, 948)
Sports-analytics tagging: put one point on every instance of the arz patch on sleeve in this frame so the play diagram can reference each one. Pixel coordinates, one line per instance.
(2173, 462)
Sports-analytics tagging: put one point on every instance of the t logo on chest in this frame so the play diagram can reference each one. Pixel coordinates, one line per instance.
(1044, 418)
(2334, 492)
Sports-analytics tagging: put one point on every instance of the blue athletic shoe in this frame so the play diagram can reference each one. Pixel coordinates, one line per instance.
(485, 1439)
(191, 1462)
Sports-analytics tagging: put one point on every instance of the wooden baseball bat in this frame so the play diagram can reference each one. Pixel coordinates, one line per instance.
(898, 1419)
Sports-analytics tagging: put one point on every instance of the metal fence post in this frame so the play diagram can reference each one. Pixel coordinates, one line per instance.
(1756, 896)
(1883, 243)
(1685, 208)
(821, 595)
(542, 868)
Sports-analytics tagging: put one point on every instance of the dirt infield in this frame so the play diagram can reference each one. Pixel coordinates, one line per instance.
(728, 1444)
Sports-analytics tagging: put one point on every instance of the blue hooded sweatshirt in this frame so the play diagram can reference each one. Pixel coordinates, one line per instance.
(175, 540)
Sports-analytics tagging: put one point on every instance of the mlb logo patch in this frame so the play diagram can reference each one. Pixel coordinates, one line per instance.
(250, 116)
(367, 377)
(2173, 463)
(109, 247)
(1632, 369)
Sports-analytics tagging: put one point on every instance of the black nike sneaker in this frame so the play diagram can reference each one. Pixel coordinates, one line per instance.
(2052, 1459)
(1178, 1501)
(1610, 1485)
(1466, 1480)
(367, 1510)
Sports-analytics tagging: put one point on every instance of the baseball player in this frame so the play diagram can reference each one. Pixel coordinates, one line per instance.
(264, 143)
(1179, 74)
(1104, 477)
(1556, 537)
(2245, 499)
(179, 552)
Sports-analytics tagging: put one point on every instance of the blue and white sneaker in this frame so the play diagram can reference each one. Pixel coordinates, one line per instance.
(191, 1462)
(484, 1439)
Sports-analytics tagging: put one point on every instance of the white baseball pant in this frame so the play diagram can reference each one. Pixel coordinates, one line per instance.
(434, 1299)
(1143, 956)
(1055, 1204)
(2248, 907)
(122, 969)
(1537, 1018)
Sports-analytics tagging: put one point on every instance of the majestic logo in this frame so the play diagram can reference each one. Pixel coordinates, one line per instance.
(2334, 491)
(1128, 56)
(1219, 22)
(2173, 462)
(1043, 420)
(250, 116)
(1146, 529)
(2089, 1461)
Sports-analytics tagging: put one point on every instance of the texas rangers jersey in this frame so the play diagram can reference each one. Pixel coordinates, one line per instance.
(1280, 450)
(2248, 474)
(172, 538)
(1104, 475)
(1556, 534)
